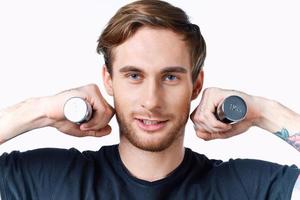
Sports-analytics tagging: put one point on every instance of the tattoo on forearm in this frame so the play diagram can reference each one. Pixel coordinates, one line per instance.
(293, 140)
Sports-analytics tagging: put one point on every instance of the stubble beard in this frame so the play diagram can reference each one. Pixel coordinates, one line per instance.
(127, 131)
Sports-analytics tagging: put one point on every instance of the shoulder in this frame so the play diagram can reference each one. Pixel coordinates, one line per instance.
(37, 155)
(248, 167)
(252, 171)
(53, 153)
(49, 158)
(256, 178)
(263, 179)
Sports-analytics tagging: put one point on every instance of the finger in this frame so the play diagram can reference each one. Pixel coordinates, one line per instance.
(204, 135)
(235, 130)
(200, 123)
(219, 135)
(192, 115)
(74, 130)
(209, 122)
(202, 127)
(216, 125)
(99, 133)
(102, 111)
(99, 120)
(211, 136)
(70, 128)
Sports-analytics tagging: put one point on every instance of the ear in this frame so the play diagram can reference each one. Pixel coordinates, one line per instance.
(107, 80)
(197, 86)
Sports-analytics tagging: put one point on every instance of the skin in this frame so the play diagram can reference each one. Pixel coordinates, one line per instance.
(151, 81)
(139, 67)
(154, 65)
(292, 139)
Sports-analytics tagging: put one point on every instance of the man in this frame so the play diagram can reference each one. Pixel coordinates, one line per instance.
(153, 69)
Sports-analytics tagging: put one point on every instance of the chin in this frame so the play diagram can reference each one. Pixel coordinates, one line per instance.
(151, 141)
(152, 137)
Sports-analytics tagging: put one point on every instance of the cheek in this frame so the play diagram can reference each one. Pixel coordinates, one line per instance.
(124, 95)
(179, 98)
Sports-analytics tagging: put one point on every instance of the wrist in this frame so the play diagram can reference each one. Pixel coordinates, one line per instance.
(264, 108)
(36, 109)
(22, 117)
(273, 116)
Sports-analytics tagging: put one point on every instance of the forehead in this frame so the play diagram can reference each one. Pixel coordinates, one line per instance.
(153, 48)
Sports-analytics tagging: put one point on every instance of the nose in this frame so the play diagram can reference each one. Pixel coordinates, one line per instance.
(152, 96)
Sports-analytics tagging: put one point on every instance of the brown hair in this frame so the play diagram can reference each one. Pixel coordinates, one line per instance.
(155, 13)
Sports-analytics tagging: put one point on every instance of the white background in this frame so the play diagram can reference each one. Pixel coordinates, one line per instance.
(253, 46)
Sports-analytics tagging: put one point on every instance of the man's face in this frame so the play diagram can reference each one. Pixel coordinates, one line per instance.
(152, 88)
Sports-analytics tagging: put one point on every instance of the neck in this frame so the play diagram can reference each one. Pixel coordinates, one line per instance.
(151, 166)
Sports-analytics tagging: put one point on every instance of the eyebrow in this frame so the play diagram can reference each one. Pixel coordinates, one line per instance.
(130, 69)
(176, 69)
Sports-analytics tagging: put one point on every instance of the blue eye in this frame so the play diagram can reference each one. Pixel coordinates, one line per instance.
(134, 76)
(171, 78)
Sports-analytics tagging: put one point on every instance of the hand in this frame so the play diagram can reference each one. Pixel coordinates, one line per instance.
(102, 112)
(206, 124)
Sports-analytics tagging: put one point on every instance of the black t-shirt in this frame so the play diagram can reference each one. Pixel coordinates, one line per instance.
(70, 175)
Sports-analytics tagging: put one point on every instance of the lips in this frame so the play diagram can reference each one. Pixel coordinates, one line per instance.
(150, 125)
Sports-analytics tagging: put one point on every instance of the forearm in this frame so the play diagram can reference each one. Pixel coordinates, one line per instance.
(22, 117)
(281, 121)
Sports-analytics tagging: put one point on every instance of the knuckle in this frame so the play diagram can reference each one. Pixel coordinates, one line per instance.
(200, 119)
(195, 120)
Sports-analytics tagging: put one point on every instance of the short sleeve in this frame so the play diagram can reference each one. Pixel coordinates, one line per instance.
(32, 174)
(265, 180)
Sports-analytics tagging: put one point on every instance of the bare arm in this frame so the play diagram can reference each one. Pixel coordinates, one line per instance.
(264, 113)
(48, 111)
(22, 117)
(281, 121)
